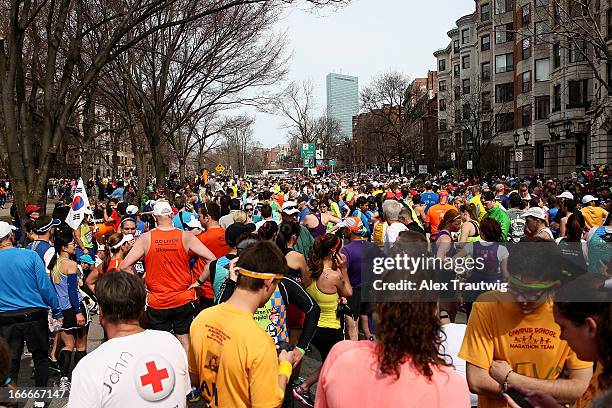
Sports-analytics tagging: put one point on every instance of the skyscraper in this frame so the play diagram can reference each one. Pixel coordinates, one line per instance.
(343, 101)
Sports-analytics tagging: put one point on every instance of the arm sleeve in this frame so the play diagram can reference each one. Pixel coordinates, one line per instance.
(73, 295)
(226, 291)
(47, 292)
(296, 295)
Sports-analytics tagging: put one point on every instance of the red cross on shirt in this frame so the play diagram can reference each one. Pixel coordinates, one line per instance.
(154, 377)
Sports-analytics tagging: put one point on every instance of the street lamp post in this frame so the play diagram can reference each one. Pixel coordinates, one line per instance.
(516, 145)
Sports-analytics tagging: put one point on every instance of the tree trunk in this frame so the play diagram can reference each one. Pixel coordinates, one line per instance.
(182, 169)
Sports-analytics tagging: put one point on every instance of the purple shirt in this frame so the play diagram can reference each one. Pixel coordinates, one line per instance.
(359, 258)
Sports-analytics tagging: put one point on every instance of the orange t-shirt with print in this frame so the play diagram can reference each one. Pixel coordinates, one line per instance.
(531, 344)
(435, 214)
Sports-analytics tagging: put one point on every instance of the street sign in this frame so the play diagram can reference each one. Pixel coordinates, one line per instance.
(518, 155)
(319, 154)
(307, 151)
(453, 156)
(469, 165)
(220, 168)
(309, 162)
(332, 162)
(422, 169)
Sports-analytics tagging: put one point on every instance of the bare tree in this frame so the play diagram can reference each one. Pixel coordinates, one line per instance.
(52, 51)
(297, 104)
(326, 133)
(238, 142)
(582, 28)
(478, 121)
(391, 99)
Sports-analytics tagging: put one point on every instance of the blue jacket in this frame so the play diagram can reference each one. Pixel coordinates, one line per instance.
(24, 282)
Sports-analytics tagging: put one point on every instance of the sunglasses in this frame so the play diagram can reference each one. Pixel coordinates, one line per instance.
(529, 295)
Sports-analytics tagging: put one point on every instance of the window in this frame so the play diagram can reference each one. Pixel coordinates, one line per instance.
(456, 46)
(442, 105)
(557, 98)
(442, 125)
(556, 55)
(578, 93)
(526, 115)
(486, 71)
(610, 22)
(526, 82)
(442, 65)
(578, 52)
(465, 36)
(542, 107)
(542, 33)
(457, 116)
(540, 3)
(539, 154)
(504, 92)
(526, 48)
(504, 121)
(557, 13)
(504, 33)
(526, 15)
(466, 111)
(486, 101)
(465, 62)
(609, 74)
(577, 8)
(486, 130)
(485, 12)
(485, 42)
(503, 6)
(442, 86)
(457, 92)
(504, 63)
(456, 70)
(542, 70)
(466, 86)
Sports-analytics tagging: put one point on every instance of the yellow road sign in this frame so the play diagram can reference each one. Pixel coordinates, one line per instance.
(220, 168)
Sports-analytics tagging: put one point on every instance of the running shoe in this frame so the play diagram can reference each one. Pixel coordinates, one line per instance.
(194, 395)
(54, 367)
(303, 397)
(64, 383)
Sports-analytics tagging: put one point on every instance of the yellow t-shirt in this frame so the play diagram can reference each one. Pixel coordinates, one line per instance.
(479, 207)
(497, 330)
(236, 361)
(592, 392)
(594, 216)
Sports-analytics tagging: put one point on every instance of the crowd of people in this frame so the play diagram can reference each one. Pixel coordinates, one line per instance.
(216, 287)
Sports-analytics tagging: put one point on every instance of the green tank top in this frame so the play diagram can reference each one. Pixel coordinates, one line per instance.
(328, 304)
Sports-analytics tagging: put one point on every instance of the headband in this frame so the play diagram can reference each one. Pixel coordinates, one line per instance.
(535, 285)
(260, 275)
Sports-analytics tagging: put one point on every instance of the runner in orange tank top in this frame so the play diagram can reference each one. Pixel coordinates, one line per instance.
(166, 251)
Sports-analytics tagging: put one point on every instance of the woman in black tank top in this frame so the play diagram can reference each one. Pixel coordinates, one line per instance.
(287, 236)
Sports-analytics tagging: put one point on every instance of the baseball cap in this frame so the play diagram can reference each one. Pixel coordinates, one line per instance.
(5, 228)
(443, 193)
(488, 196)
(566, 194)
(499, 187)
(535, 212)
(125, 239)
(131, 210)
(235, 230)
(44, 224)
(162, 209)
(290, 208)
(86, 258)
(588, 198)
(194, 223)
(354, 224)
(30, 208)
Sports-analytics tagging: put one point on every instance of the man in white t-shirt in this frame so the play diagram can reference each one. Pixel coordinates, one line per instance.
(135, 367)
(391, 211)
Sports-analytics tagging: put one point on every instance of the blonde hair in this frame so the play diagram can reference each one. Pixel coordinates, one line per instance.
(240, 217)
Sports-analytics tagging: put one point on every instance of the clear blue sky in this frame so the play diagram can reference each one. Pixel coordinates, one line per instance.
(363, 39)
